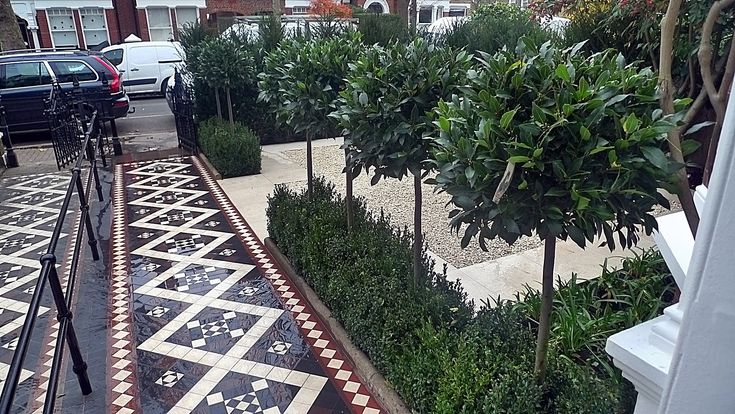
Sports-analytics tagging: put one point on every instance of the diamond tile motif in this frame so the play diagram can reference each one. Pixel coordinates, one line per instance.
(169, 379)
(158, 311)
(214, 326)
(279, 347)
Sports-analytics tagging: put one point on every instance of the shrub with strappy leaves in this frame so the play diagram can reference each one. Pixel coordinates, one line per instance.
(578, 139)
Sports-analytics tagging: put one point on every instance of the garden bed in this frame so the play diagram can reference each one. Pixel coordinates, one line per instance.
(438, 352)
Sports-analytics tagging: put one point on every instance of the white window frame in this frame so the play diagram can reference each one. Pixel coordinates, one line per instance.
(179, 26)
(107, 26)
(51, 31)
(432, 13)
(300, 10)
(148, 18)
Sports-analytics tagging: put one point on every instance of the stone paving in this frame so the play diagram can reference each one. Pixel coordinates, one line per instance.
(212, 326)
(189, 314)
(29, 207)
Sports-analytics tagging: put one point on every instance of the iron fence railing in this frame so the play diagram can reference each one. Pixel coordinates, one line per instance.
(184, 114)
(91, 143)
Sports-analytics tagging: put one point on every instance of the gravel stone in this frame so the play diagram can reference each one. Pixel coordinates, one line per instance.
(395, 198)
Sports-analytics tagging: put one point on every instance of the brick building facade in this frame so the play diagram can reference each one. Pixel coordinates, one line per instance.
(95, 23)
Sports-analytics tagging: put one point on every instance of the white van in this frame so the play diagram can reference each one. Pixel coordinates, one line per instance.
(145, 66)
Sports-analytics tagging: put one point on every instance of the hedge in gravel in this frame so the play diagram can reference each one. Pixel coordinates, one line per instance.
(426, 341)
(234, 150)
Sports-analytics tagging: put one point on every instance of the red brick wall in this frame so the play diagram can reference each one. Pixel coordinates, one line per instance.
(143, 22)
(174, 26)
(243, 7)
(112, 28)
(44, 35)
(126, 13)
(78, 25)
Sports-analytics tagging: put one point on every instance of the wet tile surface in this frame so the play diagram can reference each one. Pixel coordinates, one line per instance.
(29, 207)
(202, 320)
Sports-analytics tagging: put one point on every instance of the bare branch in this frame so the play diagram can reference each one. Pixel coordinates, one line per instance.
(668, 27)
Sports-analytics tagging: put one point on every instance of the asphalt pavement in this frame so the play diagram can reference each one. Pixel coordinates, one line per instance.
(151, 116)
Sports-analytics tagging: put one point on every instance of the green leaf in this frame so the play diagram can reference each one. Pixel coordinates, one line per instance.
(563, 73)
(584, 133)
(469, 172)
(517, 159)
(698, 126)
(444, 124)
(631, 124)
(507, 117)
(537, 152)
(655, 156)
(690, 146)
(538, 114)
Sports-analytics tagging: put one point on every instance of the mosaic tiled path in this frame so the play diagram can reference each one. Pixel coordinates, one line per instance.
(29, 207)
(213, 325)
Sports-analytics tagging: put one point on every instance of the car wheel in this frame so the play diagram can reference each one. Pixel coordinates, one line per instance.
(164, 84)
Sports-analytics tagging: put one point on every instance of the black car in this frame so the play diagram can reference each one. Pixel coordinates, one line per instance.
(26, 78)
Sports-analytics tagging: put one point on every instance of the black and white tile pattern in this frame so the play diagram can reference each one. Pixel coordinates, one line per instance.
(204, 331)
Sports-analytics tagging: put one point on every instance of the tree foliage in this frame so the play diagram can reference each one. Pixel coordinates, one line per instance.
(576, 141)
(387, 105)
(302, 79)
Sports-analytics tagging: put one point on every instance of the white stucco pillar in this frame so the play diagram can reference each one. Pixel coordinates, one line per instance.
(702, 370)
(683, 362)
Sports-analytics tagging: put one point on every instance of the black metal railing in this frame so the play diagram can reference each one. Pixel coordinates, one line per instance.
(182, 100)
(11, 160)
(91, 142)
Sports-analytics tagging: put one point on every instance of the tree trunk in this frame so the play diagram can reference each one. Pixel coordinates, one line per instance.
(402, 6)
(717, 96)
(668, 28)
(547, 304)
(413, 15)
(10, 37)
(229, 110)
(309, 168)
(276, 7)
(417, 233)
(348, 190)
(219, 106)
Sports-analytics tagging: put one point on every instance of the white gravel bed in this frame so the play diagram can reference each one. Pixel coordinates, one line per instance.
(396, 199)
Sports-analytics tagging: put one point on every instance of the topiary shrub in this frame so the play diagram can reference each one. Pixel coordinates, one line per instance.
(234, 151)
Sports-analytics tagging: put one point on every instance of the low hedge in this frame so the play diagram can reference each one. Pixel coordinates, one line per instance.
(440, 356)
(233, 152)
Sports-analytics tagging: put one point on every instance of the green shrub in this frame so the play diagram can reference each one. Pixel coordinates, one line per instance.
(493, 27)
(439, 355)
(233, 153)
(382, 29)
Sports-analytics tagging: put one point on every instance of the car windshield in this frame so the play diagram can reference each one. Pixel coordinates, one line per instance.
(115, 56)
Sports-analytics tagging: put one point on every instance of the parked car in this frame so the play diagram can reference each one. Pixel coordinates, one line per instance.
(145, 66)
(26, 78)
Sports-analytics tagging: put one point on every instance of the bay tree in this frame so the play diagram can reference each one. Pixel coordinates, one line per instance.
(223, 63)
(302, 80)
(555, 145)
(388, 108)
